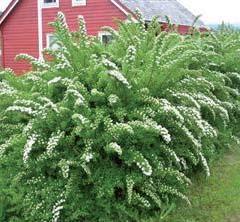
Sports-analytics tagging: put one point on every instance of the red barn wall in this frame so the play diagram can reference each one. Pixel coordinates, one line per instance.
(96, 14)
(20, 29)
(20, 34)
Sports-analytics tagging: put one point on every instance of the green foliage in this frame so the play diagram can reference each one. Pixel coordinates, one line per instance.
(105, 132)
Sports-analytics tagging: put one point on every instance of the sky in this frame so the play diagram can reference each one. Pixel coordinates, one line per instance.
(212, 11)
(3, 4)
(215, 11)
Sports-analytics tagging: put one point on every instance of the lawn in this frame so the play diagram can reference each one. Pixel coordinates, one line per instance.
(215, 199)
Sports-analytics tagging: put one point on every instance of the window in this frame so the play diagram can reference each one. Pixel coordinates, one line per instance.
(79, 2)
(52, 42)
(105, 37)
(50, 3)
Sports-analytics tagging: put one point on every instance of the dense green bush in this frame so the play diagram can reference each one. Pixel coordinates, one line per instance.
(111, 133)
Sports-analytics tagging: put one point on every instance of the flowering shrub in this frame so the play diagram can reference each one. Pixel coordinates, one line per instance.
(105, 132)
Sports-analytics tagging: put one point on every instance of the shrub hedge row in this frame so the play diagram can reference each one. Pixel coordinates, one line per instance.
(113, 132)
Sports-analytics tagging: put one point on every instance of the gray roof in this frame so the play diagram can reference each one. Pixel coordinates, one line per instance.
(177, 13)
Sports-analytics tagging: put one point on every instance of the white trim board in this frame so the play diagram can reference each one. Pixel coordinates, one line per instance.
(9, 10)
(120, 7)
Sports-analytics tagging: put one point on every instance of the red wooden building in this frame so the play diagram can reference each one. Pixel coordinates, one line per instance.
(24, 23)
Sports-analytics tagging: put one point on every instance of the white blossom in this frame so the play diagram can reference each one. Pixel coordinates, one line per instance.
(115, 148)
(131, 54)
(28, 147)
(54, 80)
(142, 163)
(57, 208)
(4, 146)
(87, 157)
(109, 64)
(53, 141)
(119, 76)
(81, 118)
(205, 164)
(21, 109)
(79, 98)
(5, 89)
(48, 104)
(113, 99)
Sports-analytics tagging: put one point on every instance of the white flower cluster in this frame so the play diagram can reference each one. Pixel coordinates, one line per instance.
(33, 61)
(63, 62)
(141, 200)
(27, 103)
(95, 92)
(21, 109)
(192, 116)
(200, 81)
(57, 208)
(118, 129)
(167, 56)
(65, 167)
(208, 130)
(186, 97)
(114, 147)
(163, 132)
(178, 175)
(164, 106)
(169, 190)
(109, 64)
(88, 154)
(54, 141)
(150, 125)
(145, 112)
(153, 195)
(140, 18)
(119, 76)
(113, 99)
(27, 129)
(82, 26)
(142, 163)
(48, 104)
(5, 89)
(115, 73)
(79, 98)
(54, 80)
(4, 146)
(28, 147)
(171, 153)
(190, 136)
(207, 101)
(131, 54)
(130, 183)
(78, 117)
(62, 19)
(32, 76)
(205, 164)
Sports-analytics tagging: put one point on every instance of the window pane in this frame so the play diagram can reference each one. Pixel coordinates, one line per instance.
(52, 42)
(50, 1)
(106, 39)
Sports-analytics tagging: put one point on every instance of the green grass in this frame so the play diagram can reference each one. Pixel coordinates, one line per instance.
(215, 199)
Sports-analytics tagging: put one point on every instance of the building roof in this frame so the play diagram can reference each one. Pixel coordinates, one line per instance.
(177, 13)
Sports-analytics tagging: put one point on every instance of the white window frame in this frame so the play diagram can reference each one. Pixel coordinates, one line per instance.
(48, 35)
(103, 33)
(79, 3)
(50, 5)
